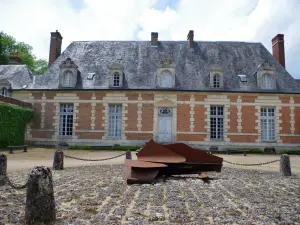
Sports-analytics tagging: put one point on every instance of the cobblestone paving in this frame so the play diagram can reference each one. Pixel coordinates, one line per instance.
(98, 195)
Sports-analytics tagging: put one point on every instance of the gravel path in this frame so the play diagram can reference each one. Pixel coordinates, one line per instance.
(98, 195)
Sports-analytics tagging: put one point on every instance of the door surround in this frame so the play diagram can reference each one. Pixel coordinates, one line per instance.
(165, 100)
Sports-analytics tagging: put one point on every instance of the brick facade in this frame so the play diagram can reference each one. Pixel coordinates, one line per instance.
(190, 113)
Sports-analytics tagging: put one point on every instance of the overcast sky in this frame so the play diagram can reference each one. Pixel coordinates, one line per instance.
(31, 21)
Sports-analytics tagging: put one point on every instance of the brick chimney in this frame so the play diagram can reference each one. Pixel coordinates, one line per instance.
(154, 39)
(190, 38)
(55, 46)
(278, 48)
(14, 59)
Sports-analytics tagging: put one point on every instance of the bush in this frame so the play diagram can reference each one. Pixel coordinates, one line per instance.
(295, 152)
(256, 151)
(250, 150)
(13, 122)
(119, 148)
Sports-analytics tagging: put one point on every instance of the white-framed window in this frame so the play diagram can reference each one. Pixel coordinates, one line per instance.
(216, 81)
(116, 79)
(165, 79)
(268, 124)
(68, 79)
(267, 81)
(4, 91)
(216, 122)
(66, 119)
(115, 121)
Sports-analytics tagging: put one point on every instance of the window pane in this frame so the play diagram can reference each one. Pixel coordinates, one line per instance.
(217, 122)
(267, 82)
(115, 121)
(66, 120)
(116, 80)
(268, 124)
(216, 81)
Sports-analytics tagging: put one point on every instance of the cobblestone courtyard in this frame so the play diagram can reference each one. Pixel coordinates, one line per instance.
(98, 195)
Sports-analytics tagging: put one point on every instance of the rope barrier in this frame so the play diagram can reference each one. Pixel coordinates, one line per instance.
(97, 160)
(13, 185)
(255, 164)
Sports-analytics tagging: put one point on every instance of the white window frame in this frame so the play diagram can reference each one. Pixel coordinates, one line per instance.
(115, 121)
(267, 81)
(217, 122)
(66, 119)
(116, 80)
(68, 79)
(216, 81)
(4, 91)
(268, 123)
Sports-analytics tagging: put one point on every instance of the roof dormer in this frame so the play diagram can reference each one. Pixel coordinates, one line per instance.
(266, 78)
(165, 74)
(216, 77)
(68, 74)
(116, 71)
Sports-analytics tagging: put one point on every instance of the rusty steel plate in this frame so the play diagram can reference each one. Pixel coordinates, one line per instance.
(154, 152)
(143, 164)
(193, 155)
(139, 175)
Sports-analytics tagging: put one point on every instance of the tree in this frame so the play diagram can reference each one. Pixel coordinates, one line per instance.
(9, 45)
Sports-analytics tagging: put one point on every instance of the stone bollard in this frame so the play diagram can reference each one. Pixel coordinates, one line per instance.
(128, 155)
(285, 166)
(3, 169)
(40, 204)
(58, 161)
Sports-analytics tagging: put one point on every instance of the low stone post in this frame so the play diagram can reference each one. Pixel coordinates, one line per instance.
(285, 166)
(3, 169)
(128, 155)
(58, 161)
(40, 203)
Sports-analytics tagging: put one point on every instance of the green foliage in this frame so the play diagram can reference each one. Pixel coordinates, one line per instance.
(256, 151)
(295, 152)
(250, 150)
(13, 122)
(118, 148)
(9, 45)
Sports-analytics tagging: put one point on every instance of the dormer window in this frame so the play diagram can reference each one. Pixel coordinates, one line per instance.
(116, 79)
(165, 79)
(267, 81)
(68, 79)
(68, 74)
(216, 77)
(216, 81)
(165, 73)
(4, 91)
(266, 76)
(116, 71)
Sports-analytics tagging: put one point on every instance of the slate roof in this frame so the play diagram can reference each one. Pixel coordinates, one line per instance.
(192, 67)
(18, 76)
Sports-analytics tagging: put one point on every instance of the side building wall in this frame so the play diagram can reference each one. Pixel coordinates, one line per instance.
(191, 117)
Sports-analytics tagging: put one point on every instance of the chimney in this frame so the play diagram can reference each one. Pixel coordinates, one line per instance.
(55, 46)
(154, 39)
(190, 38)
(14, 59)
(278, 48)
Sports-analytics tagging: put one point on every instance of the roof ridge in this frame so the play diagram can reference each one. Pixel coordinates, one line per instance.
(164, 41)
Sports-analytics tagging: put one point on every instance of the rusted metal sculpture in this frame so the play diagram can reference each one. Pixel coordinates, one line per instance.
(173, 159)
